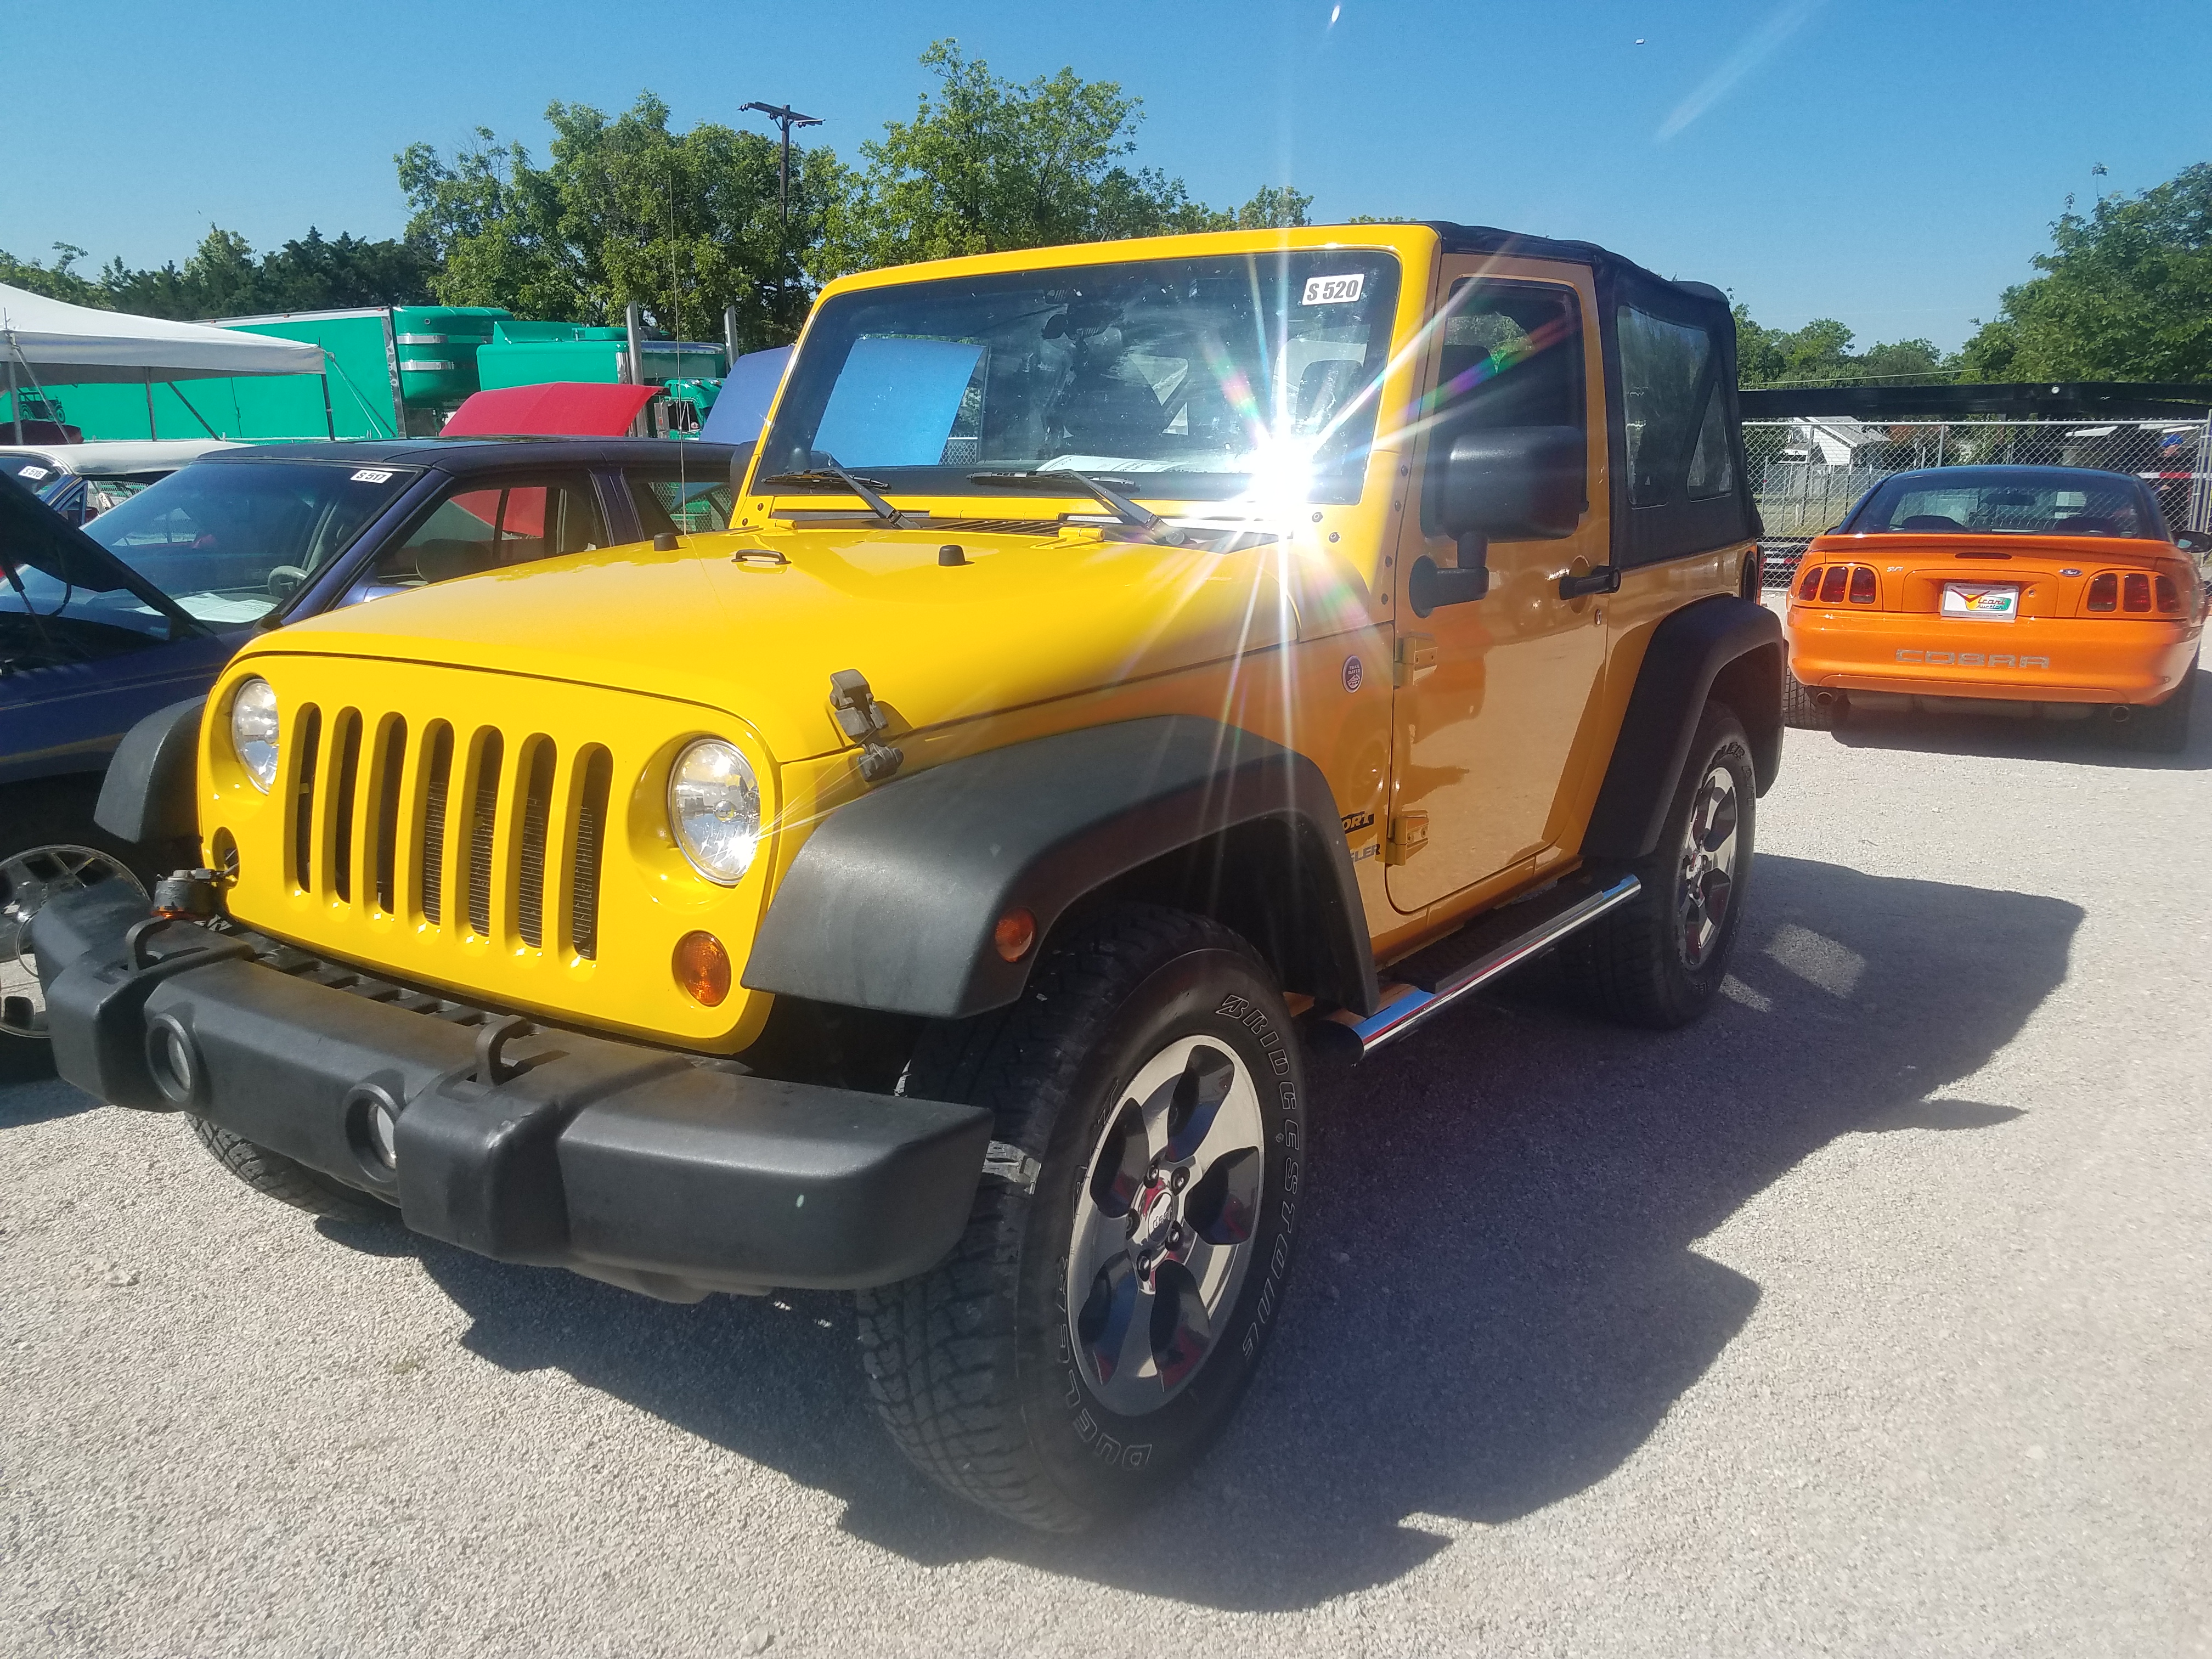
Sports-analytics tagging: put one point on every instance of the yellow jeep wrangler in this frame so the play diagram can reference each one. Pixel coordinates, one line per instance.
(1123, 660)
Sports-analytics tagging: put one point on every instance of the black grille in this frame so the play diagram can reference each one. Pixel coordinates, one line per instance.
(303, 809)
(391, 769)
(348, 759)
(433, 823)
(483, 816)
(591, 833)
(536, 807)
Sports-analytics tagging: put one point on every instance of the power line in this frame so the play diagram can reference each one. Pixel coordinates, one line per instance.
(786, 118)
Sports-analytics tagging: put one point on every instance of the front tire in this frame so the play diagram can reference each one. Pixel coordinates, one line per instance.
(1091, 1335)
(1658, 961)
(286, 1180)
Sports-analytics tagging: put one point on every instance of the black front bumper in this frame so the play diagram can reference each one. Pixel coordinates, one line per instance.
(650, 1168)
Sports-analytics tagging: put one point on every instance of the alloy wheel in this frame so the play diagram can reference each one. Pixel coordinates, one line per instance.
(1163, 1224)
(28, 881)
(1709, 854)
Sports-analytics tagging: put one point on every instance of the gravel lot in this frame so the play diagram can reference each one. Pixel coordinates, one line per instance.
(1873, 1315)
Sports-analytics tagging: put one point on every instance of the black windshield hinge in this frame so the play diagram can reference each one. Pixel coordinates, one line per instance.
(862, 718)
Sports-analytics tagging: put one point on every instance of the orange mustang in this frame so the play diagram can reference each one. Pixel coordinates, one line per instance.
(2047, 585)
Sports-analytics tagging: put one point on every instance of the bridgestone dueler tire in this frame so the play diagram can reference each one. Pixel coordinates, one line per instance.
(1630, 966)
(971, 1365)
(1802, 709)
(275, 1176)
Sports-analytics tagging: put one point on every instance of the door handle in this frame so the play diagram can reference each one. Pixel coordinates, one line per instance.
(1606, 579)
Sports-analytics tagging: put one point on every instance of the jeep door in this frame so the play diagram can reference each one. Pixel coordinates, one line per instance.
(1493, 707)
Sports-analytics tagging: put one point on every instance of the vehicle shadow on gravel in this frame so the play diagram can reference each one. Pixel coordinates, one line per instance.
(1500, 1294)
(2085, 742)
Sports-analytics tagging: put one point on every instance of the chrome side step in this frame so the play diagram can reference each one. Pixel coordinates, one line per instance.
(1545, 922)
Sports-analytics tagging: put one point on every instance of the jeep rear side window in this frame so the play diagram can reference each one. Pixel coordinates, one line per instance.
(1668, 396)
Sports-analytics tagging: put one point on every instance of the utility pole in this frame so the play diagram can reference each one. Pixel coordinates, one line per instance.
(786, 118)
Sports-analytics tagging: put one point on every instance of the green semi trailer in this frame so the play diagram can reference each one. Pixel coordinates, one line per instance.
(392, 372)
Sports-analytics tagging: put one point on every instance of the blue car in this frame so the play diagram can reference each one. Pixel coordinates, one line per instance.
(142, 606)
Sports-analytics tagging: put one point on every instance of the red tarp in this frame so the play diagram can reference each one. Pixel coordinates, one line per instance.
(559, 409)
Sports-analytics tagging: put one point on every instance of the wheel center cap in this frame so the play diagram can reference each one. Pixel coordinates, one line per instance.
(1156, 1215)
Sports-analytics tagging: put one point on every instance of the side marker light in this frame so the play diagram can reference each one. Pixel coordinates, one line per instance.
(703, 968)
(1014, 934)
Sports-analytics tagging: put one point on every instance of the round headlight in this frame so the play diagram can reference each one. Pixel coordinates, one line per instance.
(253, 731)
(714, 808)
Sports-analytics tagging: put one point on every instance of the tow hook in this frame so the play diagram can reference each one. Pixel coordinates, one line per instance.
(188, 896)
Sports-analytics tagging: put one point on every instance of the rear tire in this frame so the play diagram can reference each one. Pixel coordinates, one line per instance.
(1803, 709)
(1658, 961)
(275, 1176)
(2162, 728)
(1091, 1335)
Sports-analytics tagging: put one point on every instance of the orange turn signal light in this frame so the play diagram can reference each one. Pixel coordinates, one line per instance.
(1015, 933)
(702, 968)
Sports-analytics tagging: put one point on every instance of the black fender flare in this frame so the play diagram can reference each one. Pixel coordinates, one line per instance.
(1723, 645)
(150, 793)
(891, 902)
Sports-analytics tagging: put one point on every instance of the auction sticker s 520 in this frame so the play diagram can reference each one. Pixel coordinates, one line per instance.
(1333, 290)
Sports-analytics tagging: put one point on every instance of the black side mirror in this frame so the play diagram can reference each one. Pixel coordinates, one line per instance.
(2195, 543)
(1514, 484)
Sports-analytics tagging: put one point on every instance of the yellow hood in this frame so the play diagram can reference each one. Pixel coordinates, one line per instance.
(1025, 620)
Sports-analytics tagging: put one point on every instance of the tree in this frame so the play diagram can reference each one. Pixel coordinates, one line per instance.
(1274, 207)
(682, 224)
(989, 164)
(223, 278)
(1820, 354)
(2126, 294)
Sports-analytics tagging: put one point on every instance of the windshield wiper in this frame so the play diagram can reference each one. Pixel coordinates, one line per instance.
(868, 489)
(1136, 516)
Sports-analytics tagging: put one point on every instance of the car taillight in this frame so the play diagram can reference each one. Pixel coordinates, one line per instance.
(2169, 597)
(1861, 584)
(2137, 589)
(1811, 585)
(1831, 584)
(2104, 592)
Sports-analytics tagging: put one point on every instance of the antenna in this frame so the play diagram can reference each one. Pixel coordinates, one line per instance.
(786, 118)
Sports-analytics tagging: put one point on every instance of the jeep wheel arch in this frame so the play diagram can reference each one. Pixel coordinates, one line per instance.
(1720, 647)
(891, 902)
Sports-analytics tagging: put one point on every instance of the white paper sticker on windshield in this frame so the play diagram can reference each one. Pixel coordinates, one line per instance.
(33, 472)
(1334, 290)
(370, 475)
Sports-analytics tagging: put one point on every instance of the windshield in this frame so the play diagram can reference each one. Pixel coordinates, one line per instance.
(2022, 500)
(227, 541)
(35, 470)
(1212, 370)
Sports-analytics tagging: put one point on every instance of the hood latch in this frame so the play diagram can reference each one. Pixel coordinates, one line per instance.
(863, 719)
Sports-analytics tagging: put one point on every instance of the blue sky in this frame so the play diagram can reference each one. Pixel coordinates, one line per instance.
(1892, 164)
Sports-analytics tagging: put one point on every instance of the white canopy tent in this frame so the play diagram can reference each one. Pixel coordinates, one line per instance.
(49, 342)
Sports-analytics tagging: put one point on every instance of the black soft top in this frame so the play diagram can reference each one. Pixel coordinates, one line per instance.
(1488, 238)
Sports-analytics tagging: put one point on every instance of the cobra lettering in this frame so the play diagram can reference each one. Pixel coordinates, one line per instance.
(1972, 660)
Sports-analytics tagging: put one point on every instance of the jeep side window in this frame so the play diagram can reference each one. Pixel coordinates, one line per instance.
(1511, 356)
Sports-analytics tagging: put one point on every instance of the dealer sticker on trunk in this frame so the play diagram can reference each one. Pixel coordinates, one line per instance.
(1975, 602)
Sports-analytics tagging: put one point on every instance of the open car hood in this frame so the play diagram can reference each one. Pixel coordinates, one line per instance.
(32, 534)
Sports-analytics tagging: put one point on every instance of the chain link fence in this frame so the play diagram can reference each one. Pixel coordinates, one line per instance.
(1807, 473)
